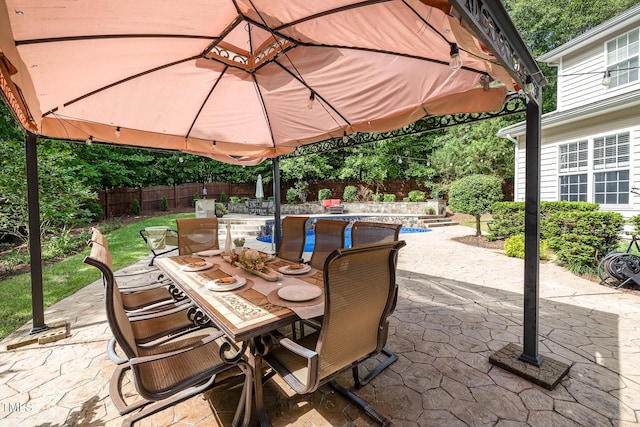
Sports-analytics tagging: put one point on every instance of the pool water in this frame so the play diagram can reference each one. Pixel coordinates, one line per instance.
(311, 237)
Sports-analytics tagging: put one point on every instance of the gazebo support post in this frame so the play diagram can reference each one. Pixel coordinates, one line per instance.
(532, 236)
(35, 249)
(277, 232)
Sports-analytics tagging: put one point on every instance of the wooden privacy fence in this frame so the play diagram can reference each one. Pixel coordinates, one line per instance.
(118, 201)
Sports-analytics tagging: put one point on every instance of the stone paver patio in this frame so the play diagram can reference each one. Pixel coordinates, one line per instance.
(457, 305)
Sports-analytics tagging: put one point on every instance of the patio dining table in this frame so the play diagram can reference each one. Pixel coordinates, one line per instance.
(249, 312)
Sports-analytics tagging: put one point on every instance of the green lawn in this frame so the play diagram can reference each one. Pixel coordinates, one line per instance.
(68, 276)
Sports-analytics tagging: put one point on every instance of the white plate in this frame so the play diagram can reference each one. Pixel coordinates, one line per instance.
(212, 252)
(206, 265)
(286, 270)
(299, 292)
(213, 286)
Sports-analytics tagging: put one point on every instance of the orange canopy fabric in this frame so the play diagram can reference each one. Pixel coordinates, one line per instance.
(237, 81)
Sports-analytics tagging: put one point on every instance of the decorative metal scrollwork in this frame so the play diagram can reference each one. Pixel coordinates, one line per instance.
(176, 293)
(198, 317)
(230, 353)
(515, 104)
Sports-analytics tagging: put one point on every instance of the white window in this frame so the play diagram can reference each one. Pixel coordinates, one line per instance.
(574, 157)
(622, 58)
(611, 151)
(611, 188)
(573, 188)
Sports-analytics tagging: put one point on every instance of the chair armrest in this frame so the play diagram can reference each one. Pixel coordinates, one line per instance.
(146, 359)
(294, 346)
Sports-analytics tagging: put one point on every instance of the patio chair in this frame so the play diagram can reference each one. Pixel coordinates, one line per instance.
(367, 233)
(251, 207)
(360, 286)
(329, 237)
(144, 298)
(160, 240)
(197, 234)
(294, 236)
(157, 325)
(169, 372)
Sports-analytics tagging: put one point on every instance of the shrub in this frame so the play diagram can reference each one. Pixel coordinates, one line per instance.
(350, 193)
(406, 199)
(582, 237)
(430, 210)
(474, 195)
(377, 197)
(417, 196)
(164, 205)
(95, 210)
(223, 197)
(324, 194)
(508, 217)
(135, 207)
(234, 199)
(292, 196)
(514, 247)
(389, 197)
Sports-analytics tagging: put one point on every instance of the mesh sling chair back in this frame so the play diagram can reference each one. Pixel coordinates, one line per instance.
(197, 234)
(160, 240)
(367, 233)
(294, 236)
(329, 237)
(144, 298)
(360, 287)
(166, 374)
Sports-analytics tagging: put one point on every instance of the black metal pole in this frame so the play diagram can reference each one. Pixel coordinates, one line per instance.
(532, 235)
(35, 250)
(277, 232)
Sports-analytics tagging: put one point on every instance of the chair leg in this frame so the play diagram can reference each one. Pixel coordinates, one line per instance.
(359, 383)
(370, 410)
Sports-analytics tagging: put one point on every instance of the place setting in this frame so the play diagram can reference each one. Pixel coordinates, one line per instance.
(300, 295)
(197, 265)
(224, 284)
(295, 269)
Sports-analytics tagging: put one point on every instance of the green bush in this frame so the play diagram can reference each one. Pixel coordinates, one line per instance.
(324, 194)
(582, 237)
(508, 217)
(95, 210)
(292, 196)
(234, 199)
(514, 247)
(406, 199)
(164, 205)
(430, 210)
(223, 197)
(221, 210)
(350, 193)
(302, 188)
(389, 197)
(417, 196)
(135, 207)
(377, 197)
(474, 195)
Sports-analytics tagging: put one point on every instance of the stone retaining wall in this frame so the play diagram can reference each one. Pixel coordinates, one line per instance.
(406, 208)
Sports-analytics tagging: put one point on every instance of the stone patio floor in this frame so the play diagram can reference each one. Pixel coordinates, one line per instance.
(457, 305)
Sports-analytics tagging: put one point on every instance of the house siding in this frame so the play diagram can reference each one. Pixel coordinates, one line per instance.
(625, 121)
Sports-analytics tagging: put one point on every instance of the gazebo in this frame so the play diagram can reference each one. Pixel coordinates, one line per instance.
(247, 80)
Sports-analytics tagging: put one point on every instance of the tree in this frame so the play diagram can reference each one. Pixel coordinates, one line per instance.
(63, 191)
(474, 195)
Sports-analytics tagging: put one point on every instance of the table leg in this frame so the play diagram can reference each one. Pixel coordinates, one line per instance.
(255, 360)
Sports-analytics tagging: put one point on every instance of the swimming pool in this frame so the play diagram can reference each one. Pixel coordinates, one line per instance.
(311, 237)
